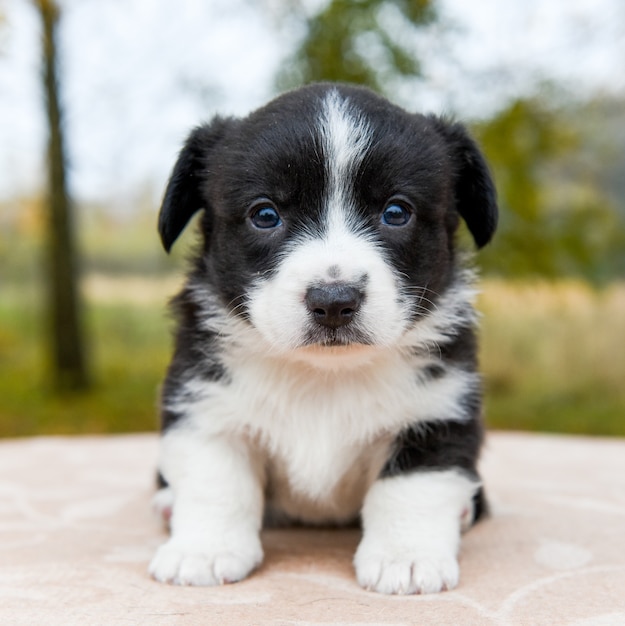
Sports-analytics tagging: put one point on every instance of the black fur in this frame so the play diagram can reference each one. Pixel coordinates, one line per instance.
(276, 153)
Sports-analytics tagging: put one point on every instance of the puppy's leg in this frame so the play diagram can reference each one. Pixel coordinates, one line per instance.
(412, 524)
(217, 510)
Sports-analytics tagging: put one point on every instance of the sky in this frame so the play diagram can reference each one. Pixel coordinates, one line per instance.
(139, 74)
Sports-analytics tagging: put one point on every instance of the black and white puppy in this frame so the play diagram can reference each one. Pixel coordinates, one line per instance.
(325, 361)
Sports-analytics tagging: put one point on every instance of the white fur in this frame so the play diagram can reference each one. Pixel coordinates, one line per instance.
(412, 527)
(341, 253)
(304, 425)
(316, 423)
(453, 310)
(347, 136)
(278, 309)
(163, 504)
(217, 512)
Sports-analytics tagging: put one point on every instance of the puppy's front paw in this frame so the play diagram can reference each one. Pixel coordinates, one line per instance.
(405, 572)
(188, 562)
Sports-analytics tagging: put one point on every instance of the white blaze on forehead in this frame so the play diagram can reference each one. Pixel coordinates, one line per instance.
(341, 250)
(346, 139)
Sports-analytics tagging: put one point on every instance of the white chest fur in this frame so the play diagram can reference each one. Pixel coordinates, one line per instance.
(316, 430)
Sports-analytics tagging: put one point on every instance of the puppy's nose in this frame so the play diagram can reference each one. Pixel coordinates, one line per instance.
(335, 304)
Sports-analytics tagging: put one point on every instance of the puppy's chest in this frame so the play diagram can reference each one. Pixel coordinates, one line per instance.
(322, 492)
(321, 433)
(313, 459)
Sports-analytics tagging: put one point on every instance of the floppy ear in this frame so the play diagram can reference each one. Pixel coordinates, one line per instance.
(183, 196)
(476, 197)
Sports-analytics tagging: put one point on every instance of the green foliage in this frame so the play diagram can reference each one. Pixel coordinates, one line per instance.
(358, 41)
(556, 219)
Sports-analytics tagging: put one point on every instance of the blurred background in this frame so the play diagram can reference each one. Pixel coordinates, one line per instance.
(96, 97)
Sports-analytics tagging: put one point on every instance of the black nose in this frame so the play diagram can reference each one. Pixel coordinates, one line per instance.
(333, 305)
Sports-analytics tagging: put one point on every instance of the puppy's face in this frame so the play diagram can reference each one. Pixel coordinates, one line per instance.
(330, 216)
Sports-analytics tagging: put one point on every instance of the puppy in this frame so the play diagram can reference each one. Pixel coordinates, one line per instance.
(325, 362)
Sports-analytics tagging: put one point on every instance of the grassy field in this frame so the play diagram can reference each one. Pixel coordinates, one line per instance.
(553, 357)
(552, 354)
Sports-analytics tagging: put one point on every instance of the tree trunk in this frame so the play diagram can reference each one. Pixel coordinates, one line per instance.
(64, 308)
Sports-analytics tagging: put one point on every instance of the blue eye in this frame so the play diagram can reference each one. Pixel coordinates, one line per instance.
(266, 217)
(395, 215)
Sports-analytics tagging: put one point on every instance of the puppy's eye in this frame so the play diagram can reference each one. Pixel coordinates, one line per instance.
(395, 214)
(265, 217)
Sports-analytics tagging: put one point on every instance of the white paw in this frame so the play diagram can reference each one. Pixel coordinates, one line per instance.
(187, 562)
(405, 572)
(163, 504)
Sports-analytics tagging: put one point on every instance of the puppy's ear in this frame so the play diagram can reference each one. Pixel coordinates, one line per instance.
(476, 197)
(183, 196)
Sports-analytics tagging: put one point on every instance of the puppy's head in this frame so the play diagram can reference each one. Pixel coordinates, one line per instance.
(329, 216)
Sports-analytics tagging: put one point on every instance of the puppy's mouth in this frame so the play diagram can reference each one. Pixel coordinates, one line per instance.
(336, 338)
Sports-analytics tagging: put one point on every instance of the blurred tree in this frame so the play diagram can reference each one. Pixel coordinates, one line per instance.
(556, 218)
(357, 41)
(66, 333)
(519, 143)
